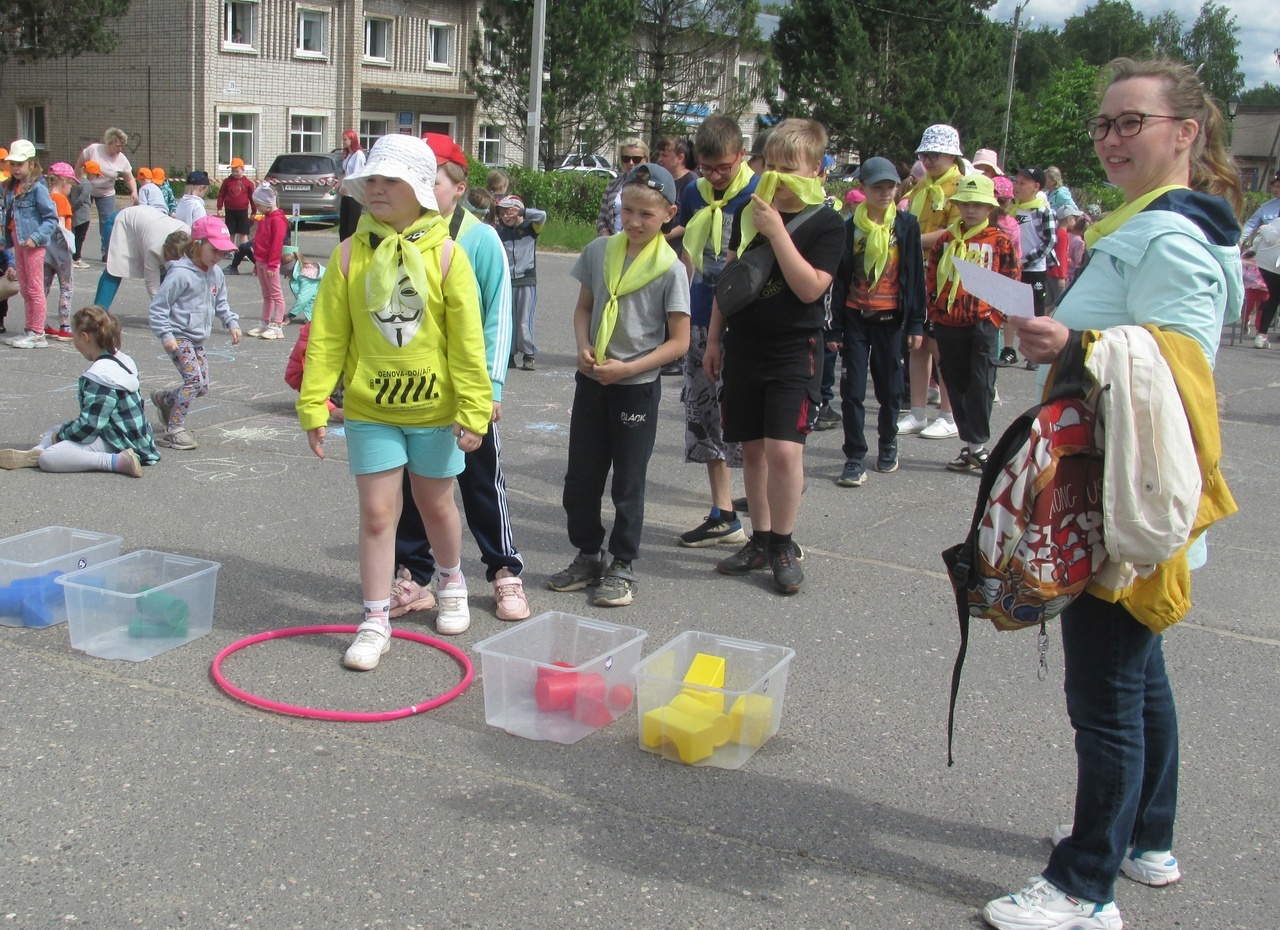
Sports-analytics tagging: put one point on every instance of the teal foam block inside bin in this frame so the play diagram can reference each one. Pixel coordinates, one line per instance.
(140, 605)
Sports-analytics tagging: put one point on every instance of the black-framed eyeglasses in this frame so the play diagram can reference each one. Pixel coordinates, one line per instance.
(631, 159)
(1127, 125)
(930, 156)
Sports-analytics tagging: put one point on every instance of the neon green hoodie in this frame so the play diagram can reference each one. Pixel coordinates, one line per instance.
(408, 363)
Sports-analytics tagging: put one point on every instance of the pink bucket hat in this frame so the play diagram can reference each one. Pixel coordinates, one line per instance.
(60, 169)
(1003, 186)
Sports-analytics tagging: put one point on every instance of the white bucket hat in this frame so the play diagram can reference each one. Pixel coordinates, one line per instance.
(942, 139)
(405, 157)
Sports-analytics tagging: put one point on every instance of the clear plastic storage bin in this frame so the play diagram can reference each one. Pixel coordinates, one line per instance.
(686, 717)
(29, 595)
(140, 605)
(558, 677)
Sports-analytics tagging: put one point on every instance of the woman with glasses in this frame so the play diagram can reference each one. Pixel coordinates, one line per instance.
(1167, 260)
(631, 152)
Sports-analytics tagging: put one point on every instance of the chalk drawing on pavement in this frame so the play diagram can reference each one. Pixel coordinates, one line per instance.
(226, 469)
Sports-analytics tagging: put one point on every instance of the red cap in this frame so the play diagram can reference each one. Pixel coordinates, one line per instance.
(446, 149)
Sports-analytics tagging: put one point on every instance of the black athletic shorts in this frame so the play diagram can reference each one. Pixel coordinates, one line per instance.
(238, 222)
(770, 391)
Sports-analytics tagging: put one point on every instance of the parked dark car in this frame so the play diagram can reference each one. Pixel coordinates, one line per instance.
(846, 171)
(309, 179)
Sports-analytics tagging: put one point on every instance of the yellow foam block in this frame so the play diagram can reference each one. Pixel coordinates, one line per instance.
(749, 720)
(712, 699)
(698, 709)
(693, 735)
(706, 670)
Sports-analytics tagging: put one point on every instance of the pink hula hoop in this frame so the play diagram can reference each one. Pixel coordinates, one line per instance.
(345, 716)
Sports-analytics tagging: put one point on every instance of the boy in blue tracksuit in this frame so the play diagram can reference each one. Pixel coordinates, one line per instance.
(482, 484)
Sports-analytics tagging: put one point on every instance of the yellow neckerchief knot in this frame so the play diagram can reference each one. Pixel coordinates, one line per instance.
(708, 222)
(397, 249)
(878, 236)
(809, 190)
(653, 262)
(931, 192)
(1038, 202)
(1113, 221)
(957, 248)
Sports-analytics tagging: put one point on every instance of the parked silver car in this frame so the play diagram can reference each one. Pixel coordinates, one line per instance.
(309, 179)
(592, 164)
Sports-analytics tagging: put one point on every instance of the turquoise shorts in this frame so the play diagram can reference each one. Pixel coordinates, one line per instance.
(431, 452)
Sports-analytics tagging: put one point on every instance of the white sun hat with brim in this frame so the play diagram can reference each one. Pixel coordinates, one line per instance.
(941, 138)
(407, 158)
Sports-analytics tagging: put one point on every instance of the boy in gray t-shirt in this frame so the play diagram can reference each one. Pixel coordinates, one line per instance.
(632, 318)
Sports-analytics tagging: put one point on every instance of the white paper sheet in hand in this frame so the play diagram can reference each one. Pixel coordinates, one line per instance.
(1010, 297)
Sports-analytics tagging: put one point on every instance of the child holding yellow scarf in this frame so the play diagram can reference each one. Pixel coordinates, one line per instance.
(772, 350)
(632, 318)
(967, 329)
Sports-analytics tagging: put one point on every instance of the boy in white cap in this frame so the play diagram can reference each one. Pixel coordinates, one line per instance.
(397, 318)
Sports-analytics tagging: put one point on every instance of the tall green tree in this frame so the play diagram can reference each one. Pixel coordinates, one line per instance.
(581, 61)
(1113, 28)
(1050, 131)
(34, 29)
(1212, 44)
(1264, 95)
(685, 58)
(878, 77)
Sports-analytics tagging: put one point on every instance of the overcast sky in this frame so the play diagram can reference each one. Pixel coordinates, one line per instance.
(1256, 20)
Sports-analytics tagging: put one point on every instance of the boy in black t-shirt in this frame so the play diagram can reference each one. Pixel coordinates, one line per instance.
(772, 350)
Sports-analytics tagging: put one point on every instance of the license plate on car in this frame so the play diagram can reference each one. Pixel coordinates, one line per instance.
(298, 187)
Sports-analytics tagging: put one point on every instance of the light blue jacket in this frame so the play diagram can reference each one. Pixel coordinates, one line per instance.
(187, 302)
(1265, 214)
(34, 215)
(493, 279)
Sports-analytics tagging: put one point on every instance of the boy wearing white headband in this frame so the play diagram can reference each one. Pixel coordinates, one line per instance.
(397, 317)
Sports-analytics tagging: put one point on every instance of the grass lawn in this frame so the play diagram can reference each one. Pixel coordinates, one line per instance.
(562, 236)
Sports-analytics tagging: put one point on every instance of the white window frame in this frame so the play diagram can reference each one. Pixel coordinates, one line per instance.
(449, 31)
(385, 57)
(367, 138)
(305, 12)
(490, 135)
(247, 42)
(318, 134)
(254, 116)
(29, 125)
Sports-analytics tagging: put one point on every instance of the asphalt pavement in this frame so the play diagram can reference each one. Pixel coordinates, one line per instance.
(141, 795)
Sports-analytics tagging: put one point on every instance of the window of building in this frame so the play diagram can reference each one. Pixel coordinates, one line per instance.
(376, 32)
(491, 145)
(240, 20)
(373, 128)
(33, 125)
(306, 134)
(313, 32)
(746, 74)
(236, 135)
(440, 44)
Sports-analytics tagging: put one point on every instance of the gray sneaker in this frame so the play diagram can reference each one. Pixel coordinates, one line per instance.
(164, 406)
(179, 439)
(618, 587)
(584, 570)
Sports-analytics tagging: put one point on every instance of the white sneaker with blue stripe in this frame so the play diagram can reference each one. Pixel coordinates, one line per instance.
(1156, 868)
(1042, 905)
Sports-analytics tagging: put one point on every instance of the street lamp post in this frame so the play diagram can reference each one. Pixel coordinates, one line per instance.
(533, 138)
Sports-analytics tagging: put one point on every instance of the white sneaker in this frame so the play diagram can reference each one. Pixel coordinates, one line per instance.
(29, 340)
(907, 424)
(1155, 868)
(455, 615)
(1042, 905)
(373, 641)
(940, 428)
(274, 331)
(1260, 341)
(257, 331)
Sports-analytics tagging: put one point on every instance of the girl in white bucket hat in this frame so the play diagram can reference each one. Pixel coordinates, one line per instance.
(397, 318)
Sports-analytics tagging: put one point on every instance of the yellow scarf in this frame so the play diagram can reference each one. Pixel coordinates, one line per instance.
(878, 237)
(653, 262)
(708, 222)
(932, 192)
(1110, 223)
(957, 248)
(1038, 202)
(809, 190)
(399, 249)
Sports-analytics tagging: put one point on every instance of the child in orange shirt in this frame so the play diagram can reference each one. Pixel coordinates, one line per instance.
(57, 256)
(968, 329)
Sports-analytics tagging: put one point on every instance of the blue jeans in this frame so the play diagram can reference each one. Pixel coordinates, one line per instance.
(1121, 707)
